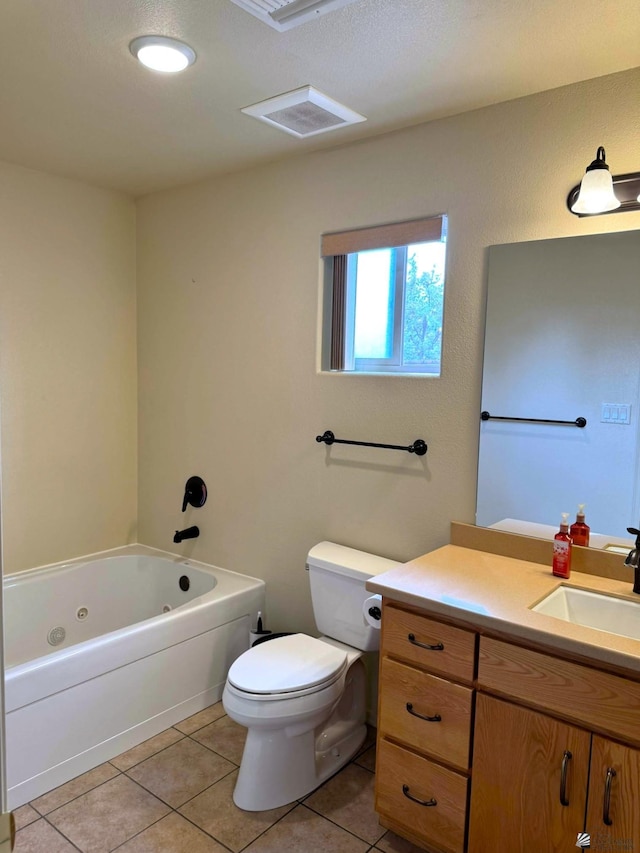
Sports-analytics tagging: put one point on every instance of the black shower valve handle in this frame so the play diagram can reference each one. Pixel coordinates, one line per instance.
(195, 493)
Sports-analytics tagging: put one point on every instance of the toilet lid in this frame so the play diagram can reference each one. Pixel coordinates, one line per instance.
(286, 664)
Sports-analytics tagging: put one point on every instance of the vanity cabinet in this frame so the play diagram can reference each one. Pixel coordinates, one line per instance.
(425, 715)
(535, 776)
(487, 746)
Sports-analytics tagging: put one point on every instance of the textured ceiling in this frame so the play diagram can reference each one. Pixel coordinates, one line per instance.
(74, 102)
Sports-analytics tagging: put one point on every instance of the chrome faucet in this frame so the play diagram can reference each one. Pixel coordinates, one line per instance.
(633, 559)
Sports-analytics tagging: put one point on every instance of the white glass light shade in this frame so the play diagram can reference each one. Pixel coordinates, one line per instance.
(161, 53)
(596, 193)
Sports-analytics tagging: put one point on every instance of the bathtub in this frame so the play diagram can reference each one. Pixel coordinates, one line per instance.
(104, 652)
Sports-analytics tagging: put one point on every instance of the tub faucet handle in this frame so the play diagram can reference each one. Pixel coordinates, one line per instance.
(195, 493)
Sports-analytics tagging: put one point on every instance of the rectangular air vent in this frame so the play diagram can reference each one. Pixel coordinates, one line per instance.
(304, 112)
(284, 14)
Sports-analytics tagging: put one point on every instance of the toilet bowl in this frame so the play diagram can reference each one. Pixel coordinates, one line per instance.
(301, 727)
(301, 698)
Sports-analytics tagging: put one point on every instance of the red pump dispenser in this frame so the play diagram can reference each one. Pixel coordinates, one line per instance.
(579, 530)
(562, 549)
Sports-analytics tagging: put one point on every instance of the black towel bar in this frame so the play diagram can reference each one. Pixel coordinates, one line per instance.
(579, 422)
(418, 447)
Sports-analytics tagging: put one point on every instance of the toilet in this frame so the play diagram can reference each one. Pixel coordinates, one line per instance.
(303, 699)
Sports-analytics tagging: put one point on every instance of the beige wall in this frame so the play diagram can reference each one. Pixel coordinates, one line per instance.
(67, 368)
(228, 290)
(228, 296)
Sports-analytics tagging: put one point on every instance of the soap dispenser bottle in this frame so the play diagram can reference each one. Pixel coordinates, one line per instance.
(562, 549)
(579, 530)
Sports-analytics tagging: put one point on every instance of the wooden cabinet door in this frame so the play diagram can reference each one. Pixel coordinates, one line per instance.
(521, 796)
(613, 810)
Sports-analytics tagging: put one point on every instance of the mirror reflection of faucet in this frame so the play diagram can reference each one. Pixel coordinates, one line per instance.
(633, 559)
(188, 533)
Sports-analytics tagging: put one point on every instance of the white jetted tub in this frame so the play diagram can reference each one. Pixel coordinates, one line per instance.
(107, 651)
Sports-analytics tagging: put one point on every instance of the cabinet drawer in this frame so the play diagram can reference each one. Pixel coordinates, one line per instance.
(600, 700)
(433, 645)
(400, 775)
(406, 692)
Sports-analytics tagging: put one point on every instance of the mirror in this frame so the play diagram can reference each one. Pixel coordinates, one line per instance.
(562, 342)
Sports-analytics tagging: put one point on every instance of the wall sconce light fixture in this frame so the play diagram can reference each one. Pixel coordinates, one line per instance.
(600, 192)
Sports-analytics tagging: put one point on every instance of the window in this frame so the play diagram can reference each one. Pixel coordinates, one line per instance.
(384, 298)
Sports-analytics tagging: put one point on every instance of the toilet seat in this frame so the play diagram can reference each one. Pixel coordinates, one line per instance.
(289, 666)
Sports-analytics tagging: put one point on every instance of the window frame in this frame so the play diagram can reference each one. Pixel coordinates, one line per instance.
(340, 249)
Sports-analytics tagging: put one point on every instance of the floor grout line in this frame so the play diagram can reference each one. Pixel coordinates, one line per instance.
(142, 760)
(350, 831)
(182, 805)
(66, 838)
(77, 797)
(275, 823)
(195, 796)
(217, 840)
(211, 749)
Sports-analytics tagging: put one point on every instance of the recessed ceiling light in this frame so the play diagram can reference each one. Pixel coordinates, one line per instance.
(162, 53)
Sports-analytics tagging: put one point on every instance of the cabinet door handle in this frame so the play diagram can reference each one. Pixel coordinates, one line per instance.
(437, 648)
(566, 758)
(408, 795)
(435, 719)
(606, 806)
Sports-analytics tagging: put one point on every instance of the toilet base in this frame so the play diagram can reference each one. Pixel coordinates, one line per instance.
(292, 775)
(282, 765)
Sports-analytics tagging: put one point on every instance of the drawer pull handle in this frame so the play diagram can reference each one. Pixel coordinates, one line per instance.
(437, 648)
(606, 819)
(566, 758)
(409, 796)
(435, 719)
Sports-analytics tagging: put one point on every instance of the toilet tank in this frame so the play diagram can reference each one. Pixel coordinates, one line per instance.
(337, 576)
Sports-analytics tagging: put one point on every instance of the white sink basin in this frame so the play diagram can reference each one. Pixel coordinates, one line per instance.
(594, 610)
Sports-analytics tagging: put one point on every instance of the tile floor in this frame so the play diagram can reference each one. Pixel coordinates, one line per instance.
(172, 794)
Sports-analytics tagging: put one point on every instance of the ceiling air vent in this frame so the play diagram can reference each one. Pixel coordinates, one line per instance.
(304, 112)
(285, 14)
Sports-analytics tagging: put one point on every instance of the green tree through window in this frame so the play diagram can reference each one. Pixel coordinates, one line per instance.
(423, 313)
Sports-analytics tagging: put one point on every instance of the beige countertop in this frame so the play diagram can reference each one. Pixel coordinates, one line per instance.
(492, 592)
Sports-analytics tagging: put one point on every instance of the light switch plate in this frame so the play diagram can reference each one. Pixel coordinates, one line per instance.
(616, 413)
